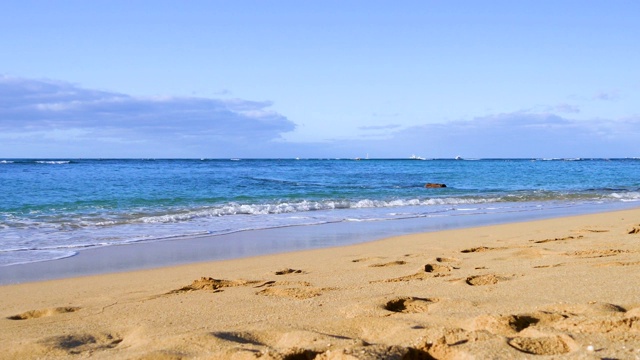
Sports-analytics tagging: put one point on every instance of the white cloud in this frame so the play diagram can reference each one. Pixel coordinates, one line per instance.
(45, 109)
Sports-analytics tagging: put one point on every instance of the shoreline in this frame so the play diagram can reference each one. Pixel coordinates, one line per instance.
(243, 244)
(566, 287)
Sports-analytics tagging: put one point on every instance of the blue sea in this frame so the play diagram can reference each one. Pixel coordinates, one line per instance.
(54, 208)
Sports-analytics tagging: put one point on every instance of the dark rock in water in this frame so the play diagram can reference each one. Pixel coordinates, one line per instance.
(435, 185)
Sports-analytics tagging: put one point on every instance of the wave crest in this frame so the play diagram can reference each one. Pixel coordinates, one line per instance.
(53, 162)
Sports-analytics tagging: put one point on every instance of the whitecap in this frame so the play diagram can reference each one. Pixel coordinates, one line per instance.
(53, 162)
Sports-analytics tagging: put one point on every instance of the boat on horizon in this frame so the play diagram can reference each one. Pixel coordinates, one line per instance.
(414, 157)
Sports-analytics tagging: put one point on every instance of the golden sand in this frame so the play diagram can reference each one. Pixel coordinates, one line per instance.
(560, 288)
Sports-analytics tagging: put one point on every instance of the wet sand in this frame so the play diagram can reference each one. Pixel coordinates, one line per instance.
(559, 288)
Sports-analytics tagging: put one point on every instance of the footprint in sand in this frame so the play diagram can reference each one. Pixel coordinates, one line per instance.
(511, 324)
(544, 345)
(292, 293)
(288, 271)
(597, 253)
(417, 276)
(392, 263)
(437, 268)
(80, 343)
(447, 259)
(523, 332)
(211, 284)
(295, 289)
(295, 344)
(557, 239)
(410, 304)
(34, 314)
(481, 249)
(487, 279)
(430, 271)
(634, 230)
(272, 283)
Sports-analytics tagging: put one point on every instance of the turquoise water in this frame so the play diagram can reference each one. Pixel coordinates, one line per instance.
(52, 208)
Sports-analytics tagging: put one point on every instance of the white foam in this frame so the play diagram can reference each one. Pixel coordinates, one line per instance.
(54, 162)
(627, 196)
(30, 256)
(297, 207)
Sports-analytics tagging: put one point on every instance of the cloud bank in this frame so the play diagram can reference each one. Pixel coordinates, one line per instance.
(58, 115)
(44, 118)
(514, 135)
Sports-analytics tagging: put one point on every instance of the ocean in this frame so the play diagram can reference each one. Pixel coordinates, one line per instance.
(54, 208)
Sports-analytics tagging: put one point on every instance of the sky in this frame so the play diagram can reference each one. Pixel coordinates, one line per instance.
(319, 79)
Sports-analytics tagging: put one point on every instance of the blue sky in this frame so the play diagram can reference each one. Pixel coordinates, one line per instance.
(319, 79)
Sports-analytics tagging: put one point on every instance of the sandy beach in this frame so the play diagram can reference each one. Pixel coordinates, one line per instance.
(560, 288)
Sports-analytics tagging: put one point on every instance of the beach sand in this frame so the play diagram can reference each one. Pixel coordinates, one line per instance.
(559, 288)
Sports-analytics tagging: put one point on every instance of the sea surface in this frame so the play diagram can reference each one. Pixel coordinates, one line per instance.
(53, 208)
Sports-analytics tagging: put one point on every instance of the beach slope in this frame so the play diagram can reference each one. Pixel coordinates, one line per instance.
(559, 288)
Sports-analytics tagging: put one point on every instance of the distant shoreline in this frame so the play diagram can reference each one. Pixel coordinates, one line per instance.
(327, 158)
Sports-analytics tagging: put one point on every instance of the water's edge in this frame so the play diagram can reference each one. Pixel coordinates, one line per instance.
(137, 256)
(55, 208)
